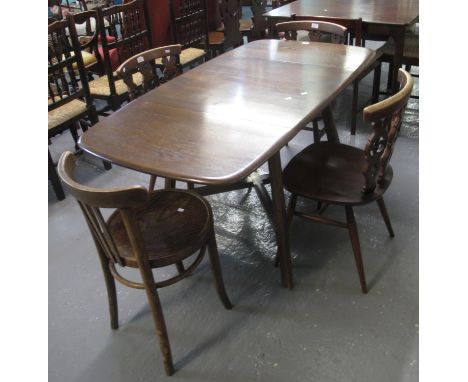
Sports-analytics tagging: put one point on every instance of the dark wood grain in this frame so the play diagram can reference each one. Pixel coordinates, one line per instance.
(220, 121)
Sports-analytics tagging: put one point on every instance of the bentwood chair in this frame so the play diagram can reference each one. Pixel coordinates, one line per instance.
(189, 28)
(124, 32)
(155, 66)
(342, 175)
(319, 31)
(69, 101)
(147, 230)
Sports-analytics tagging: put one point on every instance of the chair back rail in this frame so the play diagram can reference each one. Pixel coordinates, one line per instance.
(317, 30)
(385, 118)
(145, 63)
(354, 26)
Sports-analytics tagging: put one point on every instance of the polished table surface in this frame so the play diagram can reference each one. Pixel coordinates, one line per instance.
(401, 12)
(220, 121)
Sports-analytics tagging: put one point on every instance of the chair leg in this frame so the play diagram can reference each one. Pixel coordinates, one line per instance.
(74, 132)
(152, 183)
(217, 274)
(353, 233)
(158, 318)
(354, 107)
(291, 208)
(54, 179)
(110, 287)
(390, 76)
(169, 183)
(386, 218)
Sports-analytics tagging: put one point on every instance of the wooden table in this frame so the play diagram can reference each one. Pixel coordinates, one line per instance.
(220, 121)
(379, 17)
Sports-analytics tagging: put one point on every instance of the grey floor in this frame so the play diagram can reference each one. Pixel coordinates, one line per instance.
(322, 330)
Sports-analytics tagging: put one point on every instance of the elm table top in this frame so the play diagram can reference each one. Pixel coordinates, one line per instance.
(218, 122)
(400, 12)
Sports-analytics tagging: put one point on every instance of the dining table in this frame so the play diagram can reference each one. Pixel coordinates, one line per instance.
(380, 18)
(217, 123)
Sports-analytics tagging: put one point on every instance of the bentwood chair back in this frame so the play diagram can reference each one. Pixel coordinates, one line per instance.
(342, 175)
(69, 100)
(146, 231)
(124, 32)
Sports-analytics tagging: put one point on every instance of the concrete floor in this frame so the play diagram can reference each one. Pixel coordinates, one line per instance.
(322, 330)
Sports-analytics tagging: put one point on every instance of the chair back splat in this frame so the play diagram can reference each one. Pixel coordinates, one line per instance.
(385, 118)
(145, 63)
(147, 230)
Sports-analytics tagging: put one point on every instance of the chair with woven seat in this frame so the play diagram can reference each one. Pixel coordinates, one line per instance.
(342, 175)
(69, 100)
(189, 28)
(147, 230)
(124, 32)
(155, 66)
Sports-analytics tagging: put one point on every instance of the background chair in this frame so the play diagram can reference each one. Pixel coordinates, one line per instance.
(355, 37)
(410, 58)
(124, 32)
(189, 28)
(230, 11)
(338, 174)
(147, 231)
(320, 31)
(256, 27)
(156, 66)
(69, 100)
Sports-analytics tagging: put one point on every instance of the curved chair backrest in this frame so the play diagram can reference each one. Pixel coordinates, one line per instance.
(166, 58)
(385, 118)
(317, 31)
(92, 199)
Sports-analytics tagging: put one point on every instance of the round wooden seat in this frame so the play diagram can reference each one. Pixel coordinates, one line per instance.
(331, 173)
(174, 224)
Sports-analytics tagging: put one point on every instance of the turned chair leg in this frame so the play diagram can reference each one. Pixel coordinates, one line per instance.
(217, 274)
(386, 218)
(353, 233)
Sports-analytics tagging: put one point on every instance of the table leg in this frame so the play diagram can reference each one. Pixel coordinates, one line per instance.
(330, 127)
(279, 216)
(398, 34)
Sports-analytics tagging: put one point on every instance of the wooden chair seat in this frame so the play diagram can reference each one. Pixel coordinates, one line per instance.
(173, 225)
(215, 38)
(66, 112)
(331, 173)
(100, 86)
(245, 25)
